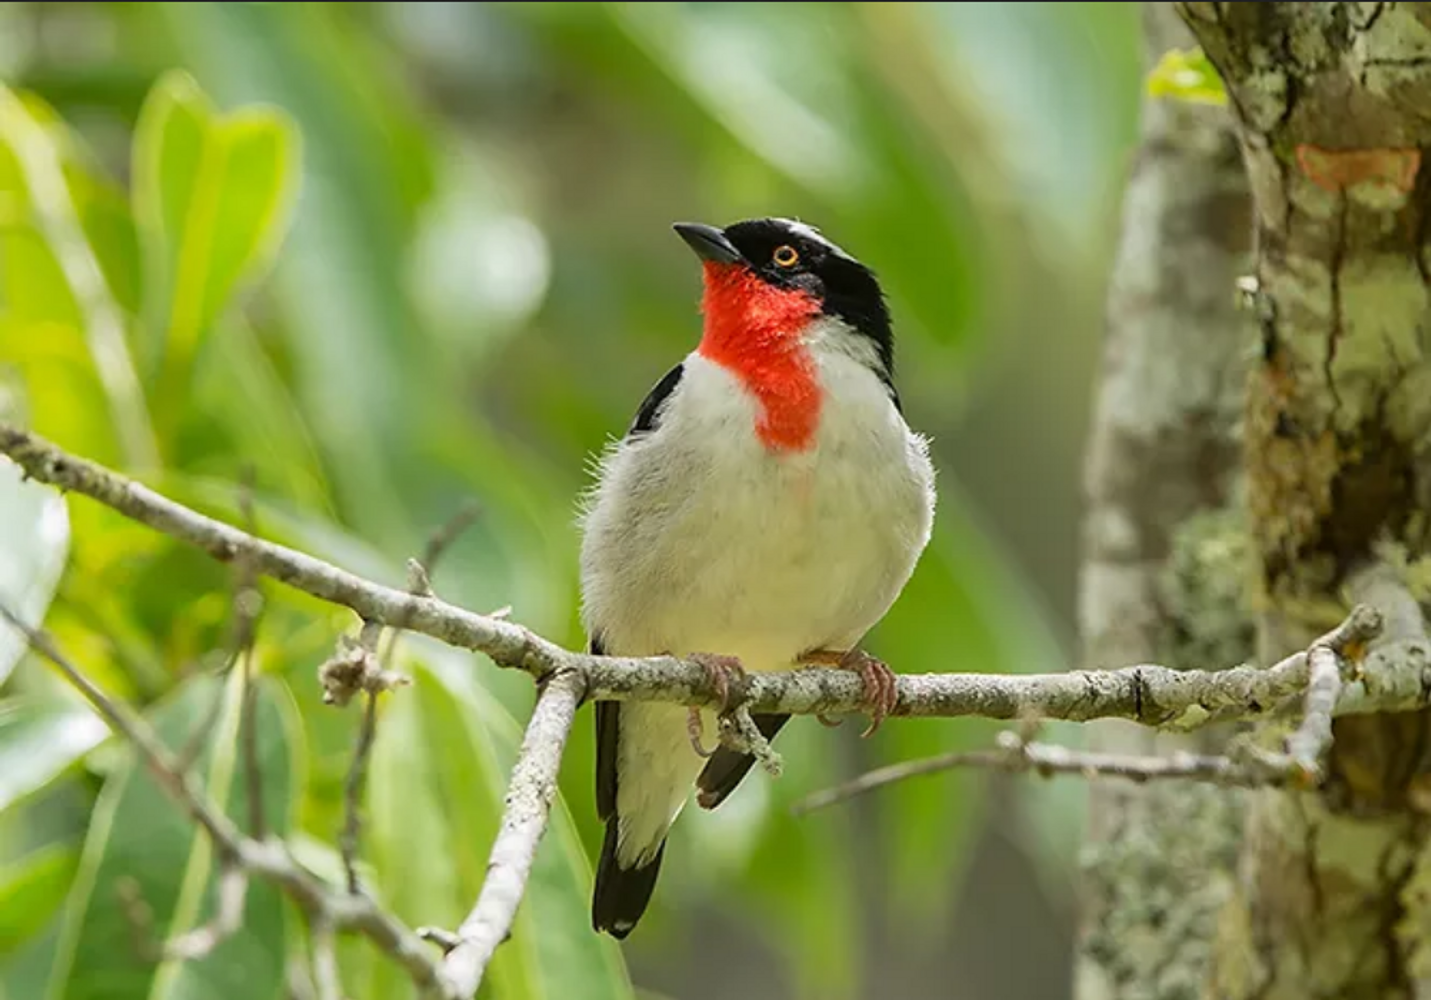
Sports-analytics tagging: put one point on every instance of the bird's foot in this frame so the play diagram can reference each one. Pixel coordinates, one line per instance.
(881, 688)
(696, 730)
(721, 670)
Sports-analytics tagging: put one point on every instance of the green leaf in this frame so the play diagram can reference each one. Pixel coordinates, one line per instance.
(440, 764)
(138, 834)
(352, 344)
(25, 974)
(42, 330)
(40, 157)
(34, 538)
(31, 891)
(213, 197)
(41, 740)
(1187, 75)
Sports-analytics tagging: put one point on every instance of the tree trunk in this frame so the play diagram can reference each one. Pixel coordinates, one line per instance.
(1331, 108)
(1162, 469)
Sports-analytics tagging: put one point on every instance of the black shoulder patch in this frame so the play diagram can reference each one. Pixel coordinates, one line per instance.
(648, 415)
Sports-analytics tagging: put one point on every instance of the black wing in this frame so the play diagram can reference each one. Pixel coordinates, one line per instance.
(620, 896)
(608, 714)
(648, 414)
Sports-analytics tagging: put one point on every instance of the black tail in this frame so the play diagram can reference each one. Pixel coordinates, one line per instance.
(727, 768)
(621, 894)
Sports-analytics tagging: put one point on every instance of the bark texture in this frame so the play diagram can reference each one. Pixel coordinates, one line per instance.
(1332, 103)
(1322, 501)
(1164, 575)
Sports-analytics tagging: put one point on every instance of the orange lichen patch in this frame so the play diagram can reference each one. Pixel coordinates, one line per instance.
(1354, 652)
(1338, 169)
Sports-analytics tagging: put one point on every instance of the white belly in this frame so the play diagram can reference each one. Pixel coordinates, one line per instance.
(701, 540)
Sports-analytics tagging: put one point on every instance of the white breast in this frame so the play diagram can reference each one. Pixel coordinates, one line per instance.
(700, 539)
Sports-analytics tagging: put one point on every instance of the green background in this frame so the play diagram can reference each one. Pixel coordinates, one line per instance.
(390, 258)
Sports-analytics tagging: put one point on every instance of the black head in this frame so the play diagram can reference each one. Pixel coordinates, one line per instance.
(791, 254)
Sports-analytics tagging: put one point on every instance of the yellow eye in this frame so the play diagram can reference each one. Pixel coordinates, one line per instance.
(785, 256)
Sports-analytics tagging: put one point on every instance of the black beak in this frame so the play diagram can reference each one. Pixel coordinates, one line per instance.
(708, 242)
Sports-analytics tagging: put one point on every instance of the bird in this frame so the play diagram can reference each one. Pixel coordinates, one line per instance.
(765, 508)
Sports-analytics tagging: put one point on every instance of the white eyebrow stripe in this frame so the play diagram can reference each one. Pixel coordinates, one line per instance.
(811, 233)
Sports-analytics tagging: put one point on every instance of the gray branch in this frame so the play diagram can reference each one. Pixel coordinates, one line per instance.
(1148, 694)
(201, 941)
(1301, 765)
(529, 802)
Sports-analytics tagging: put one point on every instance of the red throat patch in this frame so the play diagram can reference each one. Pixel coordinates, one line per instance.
(752, 329)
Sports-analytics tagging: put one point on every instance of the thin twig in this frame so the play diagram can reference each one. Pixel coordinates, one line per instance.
(529, 801)
(355, 670)
(139, 917)
(1047, 760)
(136, 731)
(443, 538)
(247, 606)
(327, 985)
(248, 734)
(444, 939)
(374, 679)
(247, 602)
(1148, 694)
(228, 918)
(299, 979)
(251, 603)
(353, 791)
(1307, 747)
(188, 754)
(264, 859)
(740, 733)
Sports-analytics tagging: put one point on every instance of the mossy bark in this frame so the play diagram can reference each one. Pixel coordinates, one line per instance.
(1332, 104)
(1165, 568)
(1304, 894)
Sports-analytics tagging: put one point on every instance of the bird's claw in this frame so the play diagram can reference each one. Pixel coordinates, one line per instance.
(721, 670)
(696, 729)
(881, 688)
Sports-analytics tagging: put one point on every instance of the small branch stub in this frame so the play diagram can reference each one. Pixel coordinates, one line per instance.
(739, 732)
(354, 668)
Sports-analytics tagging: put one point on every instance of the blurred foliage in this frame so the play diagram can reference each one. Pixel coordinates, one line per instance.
(383, 258)
(1187, 75)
